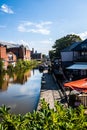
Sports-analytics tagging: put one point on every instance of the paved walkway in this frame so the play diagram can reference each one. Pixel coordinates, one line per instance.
(50, 90)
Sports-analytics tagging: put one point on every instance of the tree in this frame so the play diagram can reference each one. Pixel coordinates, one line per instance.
(65, 42)
(44, 56)
(51, 54)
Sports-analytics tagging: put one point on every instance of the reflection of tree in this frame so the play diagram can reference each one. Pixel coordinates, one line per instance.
(1, 81)
(21, 77)
(4, 79)
(1, 66)
(33, 71)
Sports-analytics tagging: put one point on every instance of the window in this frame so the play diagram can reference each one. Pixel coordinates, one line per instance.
(10, 57)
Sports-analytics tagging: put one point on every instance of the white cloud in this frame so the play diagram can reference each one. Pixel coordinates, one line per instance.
(6, 9)
(42, 42)
(42, 46)
(23, 42)
(39, 45)
(21, 28)
(83, 35)
(41, 28)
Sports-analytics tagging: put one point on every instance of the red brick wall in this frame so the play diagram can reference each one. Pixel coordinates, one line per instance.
(3, 56)
(3, 52)
(21, 52)
(17, 51)
(28, 54)
(14, 57)
(14, 50)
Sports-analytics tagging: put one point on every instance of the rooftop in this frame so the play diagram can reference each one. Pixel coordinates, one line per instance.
(71, 47)
(13, 45)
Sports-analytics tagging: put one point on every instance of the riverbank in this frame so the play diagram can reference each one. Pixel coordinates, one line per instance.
(50, 90)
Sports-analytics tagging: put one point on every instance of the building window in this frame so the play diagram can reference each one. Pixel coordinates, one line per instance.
(10, 57)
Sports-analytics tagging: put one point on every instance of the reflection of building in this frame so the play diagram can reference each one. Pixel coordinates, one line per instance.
(35, 55)
(28, 74)
(19, 79)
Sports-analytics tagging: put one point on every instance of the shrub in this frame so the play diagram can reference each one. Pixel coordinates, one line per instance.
(59, 118)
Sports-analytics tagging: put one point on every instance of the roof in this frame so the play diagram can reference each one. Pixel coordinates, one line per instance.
(27, 47)
(9, 44)
(71, 47)
(81, 46)
(78, 66)
(79, 85)
(13, 45)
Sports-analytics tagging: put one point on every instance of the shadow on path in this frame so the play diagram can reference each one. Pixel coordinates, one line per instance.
(49, 83)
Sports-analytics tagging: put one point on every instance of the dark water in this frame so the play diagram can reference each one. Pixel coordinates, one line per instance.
(21, 92)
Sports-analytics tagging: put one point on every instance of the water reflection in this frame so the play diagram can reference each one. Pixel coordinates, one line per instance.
(4, 79)
(20, 91)
(19, 78)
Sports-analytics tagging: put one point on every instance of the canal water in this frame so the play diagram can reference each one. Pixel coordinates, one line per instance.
(21, 92)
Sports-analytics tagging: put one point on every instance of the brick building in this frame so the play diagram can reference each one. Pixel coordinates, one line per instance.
(27, 53)
(10, 53)
(3, 51)
(11, 58)
(35, 55)
(3, 55)
(7, 58)
(22, 52)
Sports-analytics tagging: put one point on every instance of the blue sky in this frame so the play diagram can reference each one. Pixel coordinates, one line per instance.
(39, 23)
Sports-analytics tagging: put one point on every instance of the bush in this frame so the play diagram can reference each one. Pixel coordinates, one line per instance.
(59, 118)
(22, 65)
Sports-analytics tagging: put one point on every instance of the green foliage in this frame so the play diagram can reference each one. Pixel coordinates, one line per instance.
(59, 118)
(52, 54)
(22, 65)
(10, 69)
(64, 42)
(1, 66)
(1, 80)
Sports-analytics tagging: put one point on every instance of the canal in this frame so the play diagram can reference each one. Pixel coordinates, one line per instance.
(21, 92)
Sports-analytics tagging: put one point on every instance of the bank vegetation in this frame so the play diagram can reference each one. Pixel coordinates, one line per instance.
(21, 66)
(60, 118)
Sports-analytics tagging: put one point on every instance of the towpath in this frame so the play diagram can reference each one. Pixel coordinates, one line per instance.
(50, 90)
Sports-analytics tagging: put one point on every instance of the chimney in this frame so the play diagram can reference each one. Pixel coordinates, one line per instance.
(33, 50)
